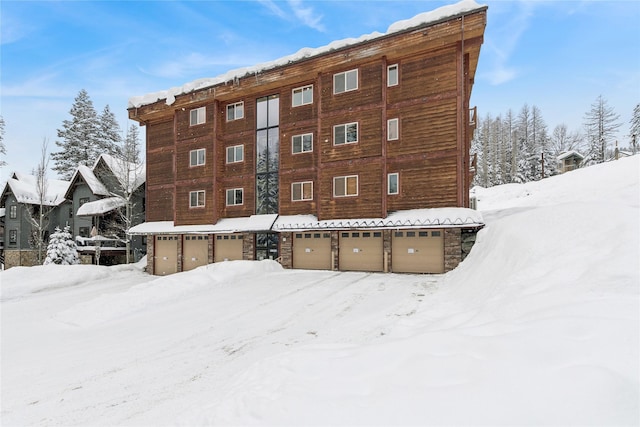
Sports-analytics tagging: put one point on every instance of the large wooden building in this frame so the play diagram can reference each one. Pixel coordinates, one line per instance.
(354, 156)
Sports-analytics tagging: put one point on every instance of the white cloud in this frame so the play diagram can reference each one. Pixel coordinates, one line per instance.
(307, 15)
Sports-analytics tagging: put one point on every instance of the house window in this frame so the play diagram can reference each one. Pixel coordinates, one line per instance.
(197, 116)
(344, 82)
(302, 143)
(235, 111)
(196, 199)
(196, 157)
(392, 130)
(302, 191)
(13, 211)
(302, 96)
(83, 200)
(392, 75)
(345, 134)
(393, 180)
(83, 231)
(235, 154)
(13, 237)
(345, 186)
(234, 196)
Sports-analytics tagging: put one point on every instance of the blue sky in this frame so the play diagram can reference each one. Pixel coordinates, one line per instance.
(559, 56)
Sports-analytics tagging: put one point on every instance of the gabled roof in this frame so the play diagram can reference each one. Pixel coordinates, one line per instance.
(571, 153)
(121, 170)
(23, 187)
(101, 206)
(96, 186)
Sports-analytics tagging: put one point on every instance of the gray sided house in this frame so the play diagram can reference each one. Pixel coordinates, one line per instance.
(20, 200)
(107, 200)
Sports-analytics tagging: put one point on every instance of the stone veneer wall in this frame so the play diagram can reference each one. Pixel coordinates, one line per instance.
(210, 249)
(286, 250)
(335, 252)
(386, 250)
(17, 258)
(248, 243)
(151, 247)
(452, 248)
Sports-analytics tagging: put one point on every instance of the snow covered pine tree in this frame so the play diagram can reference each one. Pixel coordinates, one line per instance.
(62, 249)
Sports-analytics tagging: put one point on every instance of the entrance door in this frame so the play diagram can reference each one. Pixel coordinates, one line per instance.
(166, 255)
(227, 247)
(361, 251)
(195, 252)
(312, 251)
(267, 246)
(417, 251)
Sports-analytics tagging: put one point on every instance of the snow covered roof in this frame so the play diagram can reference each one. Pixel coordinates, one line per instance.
(122, 170)
(569, 154)
(96, 186)
(100, 207)
(414, 218)
(24, 189)
(432, 17)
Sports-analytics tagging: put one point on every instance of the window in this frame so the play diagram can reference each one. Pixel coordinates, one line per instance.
(13, 211)
(196, 157)
(234, 196)
(302, 191)
(345, 134)
(197, 116)
(302, 96)
(83, 231)
(13, 237)
(392, 129)
(235, 111)
(83, 200)
(344, 82)
(345, 186)
(196, 199)
(392, 183)
(392, 75)
(235, 154)
(302, 143)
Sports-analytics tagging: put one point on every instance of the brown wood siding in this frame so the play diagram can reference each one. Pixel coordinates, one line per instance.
(289, 207)
(183, 169)
(367, 204)
(369, 136)
(247, 183)
(290, 161)
(290, 115)
(160, 135)
(246, 124)
(184, 130)
(160, 167)
(159, 204)
(197, 215)
(424, 183)
(368, 92)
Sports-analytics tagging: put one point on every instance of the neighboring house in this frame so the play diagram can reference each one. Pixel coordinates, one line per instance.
(353, 156)
(569, 161)
(99, 196)
(2, 211)
(20, 199)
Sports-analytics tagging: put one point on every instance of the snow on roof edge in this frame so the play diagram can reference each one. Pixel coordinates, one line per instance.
(431, 17)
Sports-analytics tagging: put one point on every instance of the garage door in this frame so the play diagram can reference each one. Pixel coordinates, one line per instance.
(166, 255)
(417, 251)
(312, 251)
(195, 252)
(361, 251)
(227, 247)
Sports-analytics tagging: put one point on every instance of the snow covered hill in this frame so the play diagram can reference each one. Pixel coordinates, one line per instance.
(540, 325)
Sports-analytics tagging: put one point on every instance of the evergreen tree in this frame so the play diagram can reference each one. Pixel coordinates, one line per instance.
(62, 249)
(601, 124)
(80, 138)
(3, 150)
(132, 145)
(634, 131)
(526, 151)
(109, 138)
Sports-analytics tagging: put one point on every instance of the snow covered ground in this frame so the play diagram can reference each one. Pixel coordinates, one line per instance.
(540, 325)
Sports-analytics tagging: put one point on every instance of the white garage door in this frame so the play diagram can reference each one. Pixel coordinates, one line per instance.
(166, 255)
(417, 251)
(312, 250)
(195, 251)
(227, 247)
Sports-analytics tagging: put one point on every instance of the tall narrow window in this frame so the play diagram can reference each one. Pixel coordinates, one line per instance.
(235, 111)
(235, 154)
(302, 191)
(345, 186)
(197, 157)
(267, 154)
(345, 134)
(302, 143)
(197, 116)
(344, 82)
(196, 199)
(13, 211)
(235, 196)
(13, 236)
(392, 183)
(392, 129)
(392, 75)
(302, 96)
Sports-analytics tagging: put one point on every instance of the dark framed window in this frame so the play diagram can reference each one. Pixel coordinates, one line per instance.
(13, 237)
